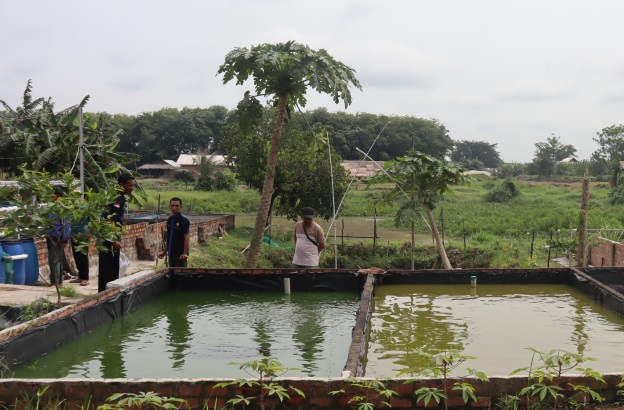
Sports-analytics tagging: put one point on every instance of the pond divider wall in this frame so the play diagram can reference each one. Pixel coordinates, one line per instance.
(23, 343)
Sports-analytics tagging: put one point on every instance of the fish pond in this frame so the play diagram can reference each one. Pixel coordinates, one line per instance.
(196, 334)
(493, 322)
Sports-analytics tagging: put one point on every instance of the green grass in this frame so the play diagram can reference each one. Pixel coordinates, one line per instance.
(227, 252)
(70, 292)
(503, 229)
(239, 202)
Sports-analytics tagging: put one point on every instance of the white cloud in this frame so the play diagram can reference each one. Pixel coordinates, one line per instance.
(506, 73)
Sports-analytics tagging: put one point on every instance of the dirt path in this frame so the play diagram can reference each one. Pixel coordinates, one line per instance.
(11, 295)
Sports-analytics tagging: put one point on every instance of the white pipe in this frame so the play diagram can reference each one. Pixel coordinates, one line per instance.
(15, 257)
(286, 286)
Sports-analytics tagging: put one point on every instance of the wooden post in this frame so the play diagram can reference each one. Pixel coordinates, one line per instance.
(581, 256)
(464, 232)
(342, 236)
(375, 231)
(532, 243)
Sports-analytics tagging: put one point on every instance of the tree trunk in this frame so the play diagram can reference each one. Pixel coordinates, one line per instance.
(255, 247)
(446, 264)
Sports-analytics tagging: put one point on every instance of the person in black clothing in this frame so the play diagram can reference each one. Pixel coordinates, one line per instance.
(176, 236)
(108, 264)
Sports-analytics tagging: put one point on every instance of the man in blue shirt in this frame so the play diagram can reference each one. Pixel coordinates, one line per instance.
(176, 236)
(57, 238)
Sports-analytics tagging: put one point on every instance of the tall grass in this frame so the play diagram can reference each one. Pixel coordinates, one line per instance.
(239, 202)
(506, 228)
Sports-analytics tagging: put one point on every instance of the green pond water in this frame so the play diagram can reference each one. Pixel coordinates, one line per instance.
(196, 334)
(494, 323)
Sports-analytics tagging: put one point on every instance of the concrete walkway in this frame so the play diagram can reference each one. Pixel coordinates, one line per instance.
(11, 295)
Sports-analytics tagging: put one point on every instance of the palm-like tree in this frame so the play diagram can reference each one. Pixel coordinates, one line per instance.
(45, 139)
(429, 178)
(282, 72)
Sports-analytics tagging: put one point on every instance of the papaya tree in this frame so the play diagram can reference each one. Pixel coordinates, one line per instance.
(427, 178)
(282, 73)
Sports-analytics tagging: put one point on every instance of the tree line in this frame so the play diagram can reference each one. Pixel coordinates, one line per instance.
(168, 132)
(164, 134)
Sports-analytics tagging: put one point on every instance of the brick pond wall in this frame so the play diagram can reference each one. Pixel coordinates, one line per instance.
(143, 240)
(202, 393)
(605, 252)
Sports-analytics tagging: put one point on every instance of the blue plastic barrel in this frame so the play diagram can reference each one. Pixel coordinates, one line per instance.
(14, 248)
(2, 273)
(32, 262)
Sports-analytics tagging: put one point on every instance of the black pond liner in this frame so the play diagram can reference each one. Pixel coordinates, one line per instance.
(44, 334)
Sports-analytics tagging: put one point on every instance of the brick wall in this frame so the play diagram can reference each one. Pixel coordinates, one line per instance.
(201, 393)
(605, 252)
(143, 240)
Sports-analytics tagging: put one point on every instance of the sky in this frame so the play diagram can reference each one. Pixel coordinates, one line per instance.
(511, 73)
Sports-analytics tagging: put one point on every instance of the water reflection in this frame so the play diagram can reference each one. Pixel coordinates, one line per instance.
(200, 333)
(309, 336)
(494, 323)
(262, 337)
(402, 322)
(179, 331)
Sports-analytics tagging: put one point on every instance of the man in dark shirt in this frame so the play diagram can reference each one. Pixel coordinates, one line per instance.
(176, 236)
(108, 264)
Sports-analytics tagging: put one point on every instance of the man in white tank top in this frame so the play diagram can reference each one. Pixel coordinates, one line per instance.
(309, 241)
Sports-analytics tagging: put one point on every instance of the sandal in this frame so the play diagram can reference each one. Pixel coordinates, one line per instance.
(75, 281)
(84, 283)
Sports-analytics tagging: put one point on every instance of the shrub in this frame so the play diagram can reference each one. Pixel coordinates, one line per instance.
(224, 182)
(205, 183)
(184, 176)
(616, 196)
(505, 192)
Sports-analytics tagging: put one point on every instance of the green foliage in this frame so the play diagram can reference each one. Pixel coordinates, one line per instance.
(38, 402)
(36, 309)
(185, 176)
(441, 365)
(303, 172)
(509, 171)
(224, 181)
(472, 153)
(611, 141)
(371, 392)
(35, 188)
(282, 72)
(239, 202)
(553, 150)
(506, 191)
(263, 370)
(141, 401)
(70, 292)
(616, 195)
(205, 182)
(621, 385)
(37, 211)
(38, 138)
(545, 384)
(166, 133)
(427, 179)
(397, 256)
(288, 68)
